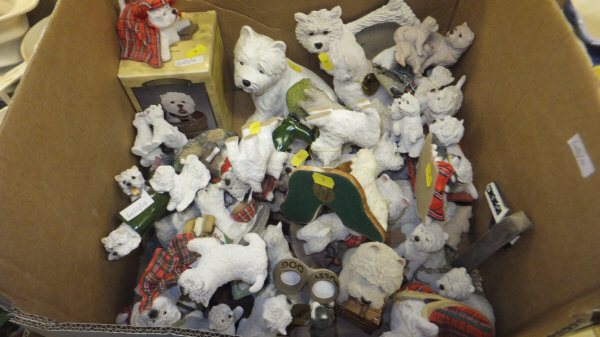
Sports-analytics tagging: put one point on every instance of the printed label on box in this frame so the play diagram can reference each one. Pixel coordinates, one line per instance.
(581, 156)
(137, 207)
(189, 61)
(495, 201)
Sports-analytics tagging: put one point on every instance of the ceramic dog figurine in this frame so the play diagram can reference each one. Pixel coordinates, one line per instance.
(183, 186)
(220, 264)
(324, 33)
(444, 102)
(409, 128)
(424, 247)
(262, 70)
(132, 182)
(270, 315)
(147, 28)
(417, 35)
(447, 49)
(318, 233)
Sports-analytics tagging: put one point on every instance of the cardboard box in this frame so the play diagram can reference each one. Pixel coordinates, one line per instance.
(197, 69)
(529, 90)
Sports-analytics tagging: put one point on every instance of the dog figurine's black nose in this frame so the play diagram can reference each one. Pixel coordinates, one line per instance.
(180, 105)
(174, 11)
(153, 314)
(246, 83)
(318, 45)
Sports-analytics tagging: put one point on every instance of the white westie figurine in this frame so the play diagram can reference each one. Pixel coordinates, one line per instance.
(164, 311)
(270, 316)
(447, 49)
(438, 78)
(365, 169)
(405, 54)
(262, 70)
(371, 273)
(388, 154)
(167, 20)
(222, 319)
(318, 233)
(448, 132)
(323, 32)
(457, 223)
(132, 182)
(444, 102)
(458, 285)
(418, 34)
(211, 200)
(406, 319)
(278, 247)
(424, 247)
(143, 139)
(182, 187)
(255, 155)
(220, 264)
(162, 131)
(121, 241)
(409, 128)
(339, 127)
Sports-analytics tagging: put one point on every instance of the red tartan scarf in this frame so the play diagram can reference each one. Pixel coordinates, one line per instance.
(165, 268)
(453, 319)
(140, 40)
(436, 208)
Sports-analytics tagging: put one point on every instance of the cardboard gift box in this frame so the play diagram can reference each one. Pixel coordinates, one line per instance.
(197, 76)
(531, 115)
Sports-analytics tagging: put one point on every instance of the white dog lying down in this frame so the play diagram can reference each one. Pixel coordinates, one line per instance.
(220, 264)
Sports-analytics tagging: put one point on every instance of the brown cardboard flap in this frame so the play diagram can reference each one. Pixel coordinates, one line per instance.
(529, 89)
(67, 134)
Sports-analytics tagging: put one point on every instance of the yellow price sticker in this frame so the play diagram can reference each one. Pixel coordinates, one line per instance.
(428, 175)
(295, 67)
(323, 180)
(254, 127)
(196, 51)
(299, 158)
(325, 61)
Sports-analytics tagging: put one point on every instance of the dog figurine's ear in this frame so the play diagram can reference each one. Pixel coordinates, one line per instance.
(279, 45)
(300, 17)
(336, 12)
(247, 32)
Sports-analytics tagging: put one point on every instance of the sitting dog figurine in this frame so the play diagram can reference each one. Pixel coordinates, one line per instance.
(409, 128)
(270, 315)
(447, 49)
(318, 233)
(255, 155)
(417, 35)
(222, 319)
(182, 187)
(220, 264)
(164, 311)
(162, 131)
(147, 28)
(424, 247)
(371, 273)
(323, 32)
(132, 182)
(262, 70)
(444, 102)
(143, 145)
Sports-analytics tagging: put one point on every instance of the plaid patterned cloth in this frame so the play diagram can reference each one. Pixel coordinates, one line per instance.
(461, 321)
(436, 208)
(354, 240)
(140, 40)
(165, 268)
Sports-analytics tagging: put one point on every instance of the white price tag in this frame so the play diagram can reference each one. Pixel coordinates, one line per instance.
(581, 156)
(137, 207)
(189, 61)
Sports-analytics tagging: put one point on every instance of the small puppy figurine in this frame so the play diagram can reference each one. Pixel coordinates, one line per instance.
(132, 182)
(447, 49)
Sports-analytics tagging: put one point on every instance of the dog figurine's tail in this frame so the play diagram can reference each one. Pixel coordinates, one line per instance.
(396, 11)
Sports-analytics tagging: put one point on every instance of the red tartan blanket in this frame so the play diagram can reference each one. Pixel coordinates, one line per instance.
(140, 40)
(165, 268)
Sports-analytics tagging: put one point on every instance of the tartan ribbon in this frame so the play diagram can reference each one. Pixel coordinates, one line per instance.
(436, 208)
(354, 240)
(165, 268)
(140, 40)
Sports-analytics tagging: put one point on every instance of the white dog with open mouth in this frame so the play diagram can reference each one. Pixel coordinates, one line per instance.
(262, 70)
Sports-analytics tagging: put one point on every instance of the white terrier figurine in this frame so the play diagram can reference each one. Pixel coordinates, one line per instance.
(220, 264)
(339, 127)
(270, 315)
(447, 49)
(444, 102)
(162, 131)
(318, 233)
(262, 70)
(418, 34)
(409, 128)
(182, 187)
(132, 182)
(323, 32)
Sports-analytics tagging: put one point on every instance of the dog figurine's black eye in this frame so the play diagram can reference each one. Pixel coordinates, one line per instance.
(172, 102)
(311, 33)
(326, 32)
(442, 287)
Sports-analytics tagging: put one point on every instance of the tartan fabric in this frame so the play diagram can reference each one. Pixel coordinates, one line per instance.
(417, 286)
(354, 240)
(140, 40)
(268, 185)
(247, 213)
(436, 208)
(461, 321)
(165, 268)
